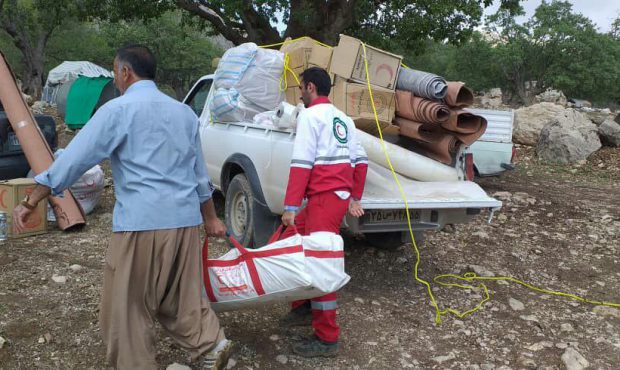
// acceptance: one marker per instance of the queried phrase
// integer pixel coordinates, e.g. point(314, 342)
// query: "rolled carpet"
point(467, 127)
point(436, 142)
point(419, 109)
point(458, 95)
point(462, 122)
point(426, 85)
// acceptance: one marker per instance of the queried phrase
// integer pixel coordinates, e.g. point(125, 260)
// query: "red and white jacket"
point(326, 155)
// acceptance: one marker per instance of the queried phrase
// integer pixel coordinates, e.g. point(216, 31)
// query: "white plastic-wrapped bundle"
point(247, 80)
point(260, 83)
point(228, 105)
point(233, 65)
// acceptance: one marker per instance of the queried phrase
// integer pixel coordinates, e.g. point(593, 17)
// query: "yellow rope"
point(469, 276)
point(283, 77)
point(285, 42)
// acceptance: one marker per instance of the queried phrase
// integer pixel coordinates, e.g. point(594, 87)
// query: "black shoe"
point(316, 348)
point(300, 316)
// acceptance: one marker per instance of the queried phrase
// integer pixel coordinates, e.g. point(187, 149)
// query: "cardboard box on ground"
point(12, 192)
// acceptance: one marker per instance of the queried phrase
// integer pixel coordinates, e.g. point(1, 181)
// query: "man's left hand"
point(215, 227)
point(355, 208)
point(20, 217)
point(288, 218)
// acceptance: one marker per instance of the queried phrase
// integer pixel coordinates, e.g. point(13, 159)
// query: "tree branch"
point(219, 22)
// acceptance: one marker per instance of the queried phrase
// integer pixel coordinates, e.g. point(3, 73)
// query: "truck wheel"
point(239, 207)
point(393, 240)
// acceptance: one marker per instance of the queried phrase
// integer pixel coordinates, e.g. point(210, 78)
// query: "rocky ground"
point(559, 228)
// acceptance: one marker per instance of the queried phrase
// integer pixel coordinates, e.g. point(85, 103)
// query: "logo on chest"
point(340, 130)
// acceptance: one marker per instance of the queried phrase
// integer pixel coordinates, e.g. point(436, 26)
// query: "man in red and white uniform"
point(328, 168)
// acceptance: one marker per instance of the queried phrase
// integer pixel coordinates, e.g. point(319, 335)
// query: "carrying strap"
point(279, 231)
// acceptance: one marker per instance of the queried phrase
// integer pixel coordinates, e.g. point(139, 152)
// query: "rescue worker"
point(153, 268)
point(328, 168)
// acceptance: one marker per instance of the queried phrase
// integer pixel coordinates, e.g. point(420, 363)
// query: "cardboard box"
point(354, 99)
point(303, 54)
point(293, 95)
point(12, 192)
point(370, 126)
point(348, 62)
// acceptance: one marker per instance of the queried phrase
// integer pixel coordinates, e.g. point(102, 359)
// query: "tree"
point(30, 24)
point(379, 22)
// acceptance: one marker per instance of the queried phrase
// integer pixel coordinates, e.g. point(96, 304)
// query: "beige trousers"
point(155, 275)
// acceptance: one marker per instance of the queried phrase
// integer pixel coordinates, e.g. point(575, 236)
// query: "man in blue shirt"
point(163, 194)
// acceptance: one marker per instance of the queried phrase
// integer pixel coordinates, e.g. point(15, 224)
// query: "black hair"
point(140, 59)
point(320, 78)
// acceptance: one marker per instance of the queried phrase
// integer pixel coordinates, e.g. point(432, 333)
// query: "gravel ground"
point(559, 228)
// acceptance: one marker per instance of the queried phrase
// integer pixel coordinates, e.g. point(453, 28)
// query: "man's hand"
point(20, 218)
point(215, 227)
point(288, 218)
point(355, 208)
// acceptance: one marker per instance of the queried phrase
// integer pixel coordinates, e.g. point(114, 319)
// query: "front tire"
point(239, 210)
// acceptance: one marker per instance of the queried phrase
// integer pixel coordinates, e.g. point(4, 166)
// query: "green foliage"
point(556, 48)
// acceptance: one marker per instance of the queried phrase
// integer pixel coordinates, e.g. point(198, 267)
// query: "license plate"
point(389, 215)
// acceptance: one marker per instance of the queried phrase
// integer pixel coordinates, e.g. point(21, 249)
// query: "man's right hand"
point(288, 218)
point(215, 227)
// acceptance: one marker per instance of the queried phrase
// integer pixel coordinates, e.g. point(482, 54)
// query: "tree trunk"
point(32, 78)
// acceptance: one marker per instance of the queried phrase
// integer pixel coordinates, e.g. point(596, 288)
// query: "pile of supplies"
point(416, 110)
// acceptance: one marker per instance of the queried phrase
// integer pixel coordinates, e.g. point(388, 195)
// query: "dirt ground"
point(559, 228)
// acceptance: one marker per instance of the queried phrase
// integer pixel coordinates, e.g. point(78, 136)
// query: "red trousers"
point(324, 212)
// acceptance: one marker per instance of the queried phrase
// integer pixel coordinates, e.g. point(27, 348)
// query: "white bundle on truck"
point(247, 82)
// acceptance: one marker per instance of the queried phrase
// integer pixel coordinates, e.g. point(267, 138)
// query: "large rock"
point(551, 96)
point(610, 133)
point(568, 138)
point(529, 122)
point(599, 116)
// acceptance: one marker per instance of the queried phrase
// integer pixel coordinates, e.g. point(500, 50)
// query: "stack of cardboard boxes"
point(347, 69)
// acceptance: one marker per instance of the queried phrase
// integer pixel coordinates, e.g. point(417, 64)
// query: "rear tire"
point(239, 210)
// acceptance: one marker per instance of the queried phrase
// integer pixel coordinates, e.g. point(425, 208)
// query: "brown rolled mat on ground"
point(458, 95)
point(419, 109)
point(436, 142)
point(39, 155)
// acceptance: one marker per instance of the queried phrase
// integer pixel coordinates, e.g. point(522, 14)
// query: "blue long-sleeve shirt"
point(153, 144)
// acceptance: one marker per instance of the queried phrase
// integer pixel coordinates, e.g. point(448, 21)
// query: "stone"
point(76, 268)
point(529, 318)
point(568, 138)
point(566, 327)
point(599, 116)
point(274, 338)
point(487, 366)
point(502, 195)
point(39, 106)
point(59, 279)
point(2, 342)
point(41, 340)
point(359, 300)
point(607, 311)
point(176, 366)
point(401, 260)
point(529, 121)
point(574, 360)
point(551, 96)
point(491, 99)
point(231, 363)
point(609, 131)
point(516, 305)
point(442, 359)
point(540, 345)
point(48, 337)
point(282, 359)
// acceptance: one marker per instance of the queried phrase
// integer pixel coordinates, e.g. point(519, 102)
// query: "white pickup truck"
point(250, 163)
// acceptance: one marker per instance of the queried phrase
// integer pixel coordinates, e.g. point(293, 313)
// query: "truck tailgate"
point(381, 192)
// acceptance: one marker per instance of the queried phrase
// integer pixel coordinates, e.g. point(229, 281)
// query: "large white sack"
point(260, 83)
point(298, 267)
point(233, 65)
point(228, 105)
